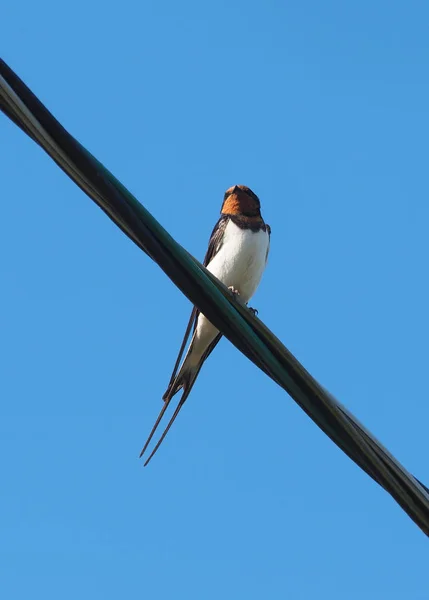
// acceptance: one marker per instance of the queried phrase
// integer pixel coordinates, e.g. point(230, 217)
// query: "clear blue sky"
point(320, 107)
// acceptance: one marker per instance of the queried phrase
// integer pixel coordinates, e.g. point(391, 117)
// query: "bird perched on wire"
point(237, 256)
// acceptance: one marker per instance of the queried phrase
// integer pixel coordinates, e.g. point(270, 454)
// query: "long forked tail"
point(185, 381)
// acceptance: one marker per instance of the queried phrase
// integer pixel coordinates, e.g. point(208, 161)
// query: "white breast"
point(239, 263)
point(241, 260)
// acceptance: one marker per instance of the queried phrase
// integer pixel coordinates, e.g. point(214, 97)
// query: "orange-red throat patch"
point(238, 201)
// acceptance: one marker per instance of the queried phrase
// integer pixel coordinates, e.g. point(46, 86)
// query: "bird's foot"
point(253, 310)
point(233, 291)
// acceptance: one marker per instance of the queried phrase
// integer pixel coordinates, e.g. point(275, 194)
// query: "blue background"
point(320, 107)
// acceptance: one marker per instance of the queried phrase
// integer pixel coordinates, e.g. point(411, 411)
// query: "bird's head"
point(240, 200)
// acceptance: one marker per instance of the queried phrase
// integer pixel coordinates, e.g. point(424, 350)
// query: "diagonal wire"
point(233, 319)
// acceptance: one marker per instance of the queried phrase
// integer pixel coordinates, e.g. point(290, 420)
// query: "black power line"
point(233, 319)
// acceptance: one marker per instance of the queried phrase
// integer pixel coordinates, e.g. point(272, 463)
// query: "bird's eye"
point(253, 196)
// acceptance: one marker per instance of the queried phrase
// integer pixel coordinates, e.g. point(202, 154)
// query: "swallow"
point(237, 255)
